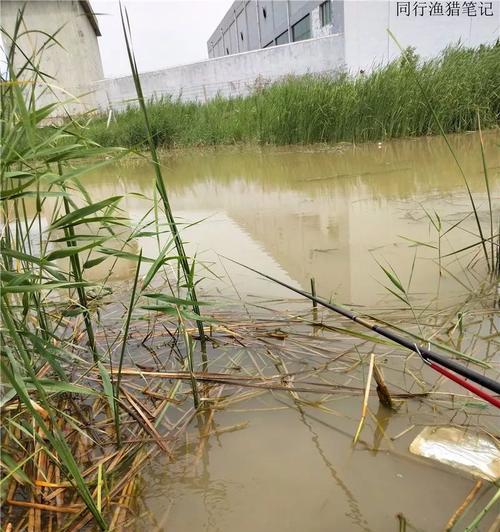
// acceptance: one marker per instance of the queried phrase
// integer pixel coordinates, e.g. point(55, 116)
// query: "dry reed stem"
point(123, 506)
point(144, 421)
point(10, 495)
point(46, 484)
point(59, 496)
point(461, 509)
point(37, 491)
point(382, 390)
point(46, 507)
point(255, 382)
point(365, 399)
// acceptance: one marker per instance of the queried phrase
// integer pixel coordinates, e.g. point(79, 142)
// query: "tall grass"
point(408, 59)
point(463, 87)
point(34, 170)
point(52, 236)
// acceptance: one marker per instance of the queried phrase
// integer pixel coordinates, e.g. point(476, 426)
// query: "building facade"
point(251, 24)
point(428, 26)
point(74, 66)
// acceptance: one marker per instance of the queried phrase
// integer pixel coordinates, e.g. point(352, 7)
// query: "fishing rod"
point(437, 362)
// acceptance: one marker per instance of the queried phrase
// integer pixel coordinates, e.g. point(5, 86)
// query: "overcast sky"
point(165, 32)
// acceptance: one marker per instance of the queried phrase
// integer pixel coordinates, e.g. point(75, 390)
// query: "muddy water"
point(333, 214)
point(287, 471)
point(329, 213)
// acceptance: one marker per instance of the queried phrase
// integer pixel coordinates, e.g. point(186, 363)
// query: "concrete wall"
point(232, 75)
point(75, 65)
point(368, 44)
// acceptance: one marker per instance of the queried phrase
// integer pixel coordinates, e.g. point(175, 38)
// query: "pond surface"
point(332, 213)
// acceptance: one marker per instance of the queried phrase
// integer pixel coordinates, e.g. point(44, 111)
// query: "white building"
point(250, 25)
point(429, 26)
point(74, 66)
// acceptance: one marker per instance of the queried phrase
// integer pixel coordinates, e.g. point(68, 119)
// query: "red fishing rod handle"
point(471, 387)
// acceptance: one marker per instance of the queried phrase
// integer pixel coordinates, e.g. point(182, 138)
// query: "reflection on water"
point(297, 213)
point(354, 513)
point(328, 213)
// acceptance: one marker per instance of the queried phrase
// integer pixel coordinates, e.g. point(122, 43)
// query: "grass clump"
point(462, 84)
point(73, 435)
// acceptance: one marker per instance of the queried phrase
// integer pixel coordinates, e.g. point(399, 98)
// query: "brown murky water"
point(333, 214)
point(328, 213)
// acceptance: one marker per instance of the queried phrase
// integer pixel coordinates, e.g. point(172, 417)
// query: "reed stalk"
point(480, 516)
point(116, 395)
point(364, 408)
point(159, 181)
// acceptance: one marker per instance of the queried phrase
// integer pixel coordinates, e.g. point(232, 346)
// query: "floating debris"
point(474, 453)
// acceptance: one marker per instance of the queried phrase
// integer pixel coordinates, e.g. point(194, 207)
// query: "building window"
point(264, 12)
point(283, 38)
point(302, 29)
point(325, 13)
point(241, 35)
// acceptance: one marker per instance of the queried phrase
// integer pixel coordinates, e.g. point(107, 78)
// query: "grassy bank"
point(460, 84)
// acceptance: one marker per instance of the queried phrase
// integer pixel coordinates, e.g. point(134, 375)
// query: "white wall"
point(75, 65)
point(233, 75)
point(367, 42)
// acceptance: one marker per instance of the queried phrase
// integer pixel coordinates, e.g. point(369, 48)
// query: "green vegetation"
point(462, 85)
point(64, 402)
